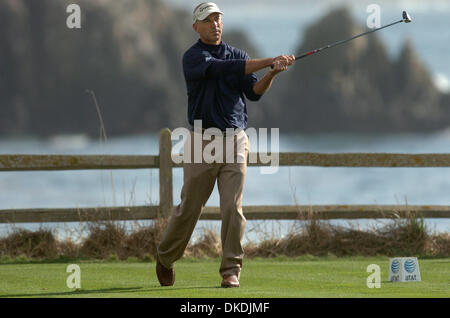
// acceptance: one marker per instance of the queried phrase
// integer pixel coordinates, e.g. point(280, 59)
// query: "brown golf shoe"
point(230, 281)
point(166, 276)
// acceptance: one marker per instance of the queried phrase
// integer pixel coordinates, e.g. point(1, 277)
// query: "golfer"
point(218, 78)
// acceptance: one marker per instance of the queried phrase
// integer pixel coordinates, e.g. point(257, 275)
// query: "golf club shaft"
point(343, 41)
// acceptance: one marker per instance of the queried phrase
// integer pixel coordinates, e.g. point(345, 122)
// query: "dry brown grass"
point(37, 244)
point(402, 237)
point(142, 243)
point(104, 239)
point(208, 245)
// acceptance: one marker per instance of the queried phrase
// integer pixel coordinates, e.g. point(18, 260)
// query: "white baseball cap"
point(203, 10)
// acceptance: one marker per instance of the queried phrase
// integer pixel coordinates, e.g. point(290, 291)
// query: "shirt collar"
point(217, 50)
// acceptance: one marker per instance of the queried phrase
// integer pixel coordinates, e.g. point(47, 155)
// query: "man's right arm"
point(254, 65)
point(203, 65)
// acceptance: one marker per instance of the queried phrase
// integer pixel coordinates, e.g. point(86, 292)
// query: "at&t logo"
point(395, 266)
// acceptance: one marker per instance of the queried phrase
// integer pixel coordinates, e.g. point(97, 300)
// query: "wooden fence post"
point(165, 173)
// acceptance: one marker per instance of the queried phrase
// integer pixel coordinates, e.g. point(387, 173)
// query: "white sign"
point(404, 269)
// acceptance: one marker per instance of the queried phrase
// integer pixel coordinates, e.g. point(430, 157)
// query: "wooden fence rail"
point(164, 163)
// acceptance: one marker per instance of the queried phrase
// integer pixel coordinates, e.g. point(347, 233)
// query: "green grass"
point(260, 278)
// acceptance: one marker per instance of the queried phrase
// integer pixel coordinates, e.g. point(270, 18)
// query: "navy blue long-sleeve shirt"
point(216, 85)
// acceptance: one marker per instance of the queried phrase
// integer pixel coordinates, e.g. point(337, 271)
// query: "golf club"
point(405, 18)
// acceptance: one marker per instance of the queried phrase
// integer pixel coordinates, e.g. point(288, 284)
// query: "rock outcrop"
point(356, 87)
point(129, 54)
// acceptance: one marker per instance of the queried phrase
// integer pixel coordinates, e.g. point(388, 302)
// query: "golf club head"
point(406, 17)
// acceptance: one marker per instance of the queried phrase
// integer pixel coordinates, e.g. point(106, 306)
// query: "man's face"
point(210, 29)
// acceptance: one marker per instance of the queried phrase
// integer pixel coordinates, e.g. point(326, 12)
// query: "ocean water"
point(277, 27)
point(288, 186)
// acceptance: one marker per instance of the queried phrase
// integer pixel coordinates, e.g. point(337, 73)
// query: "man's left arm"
point(264, 84)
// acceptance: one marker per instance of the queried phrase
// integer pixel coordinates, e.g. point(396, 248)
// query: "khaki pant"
point(199, 181)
